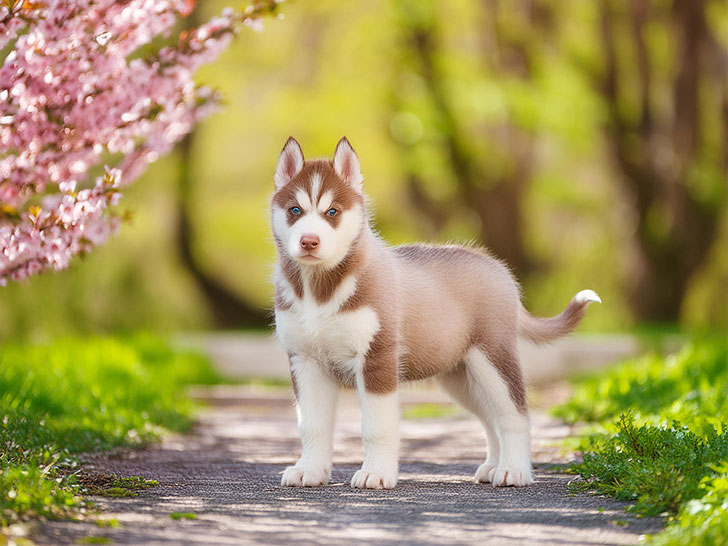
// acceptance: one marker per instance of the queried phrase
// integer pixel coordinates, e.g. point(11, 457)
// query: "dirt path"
point(227, 473)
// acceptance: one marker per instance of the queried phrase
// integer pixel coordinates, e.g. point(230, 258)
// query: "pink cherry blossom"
point(74, 91)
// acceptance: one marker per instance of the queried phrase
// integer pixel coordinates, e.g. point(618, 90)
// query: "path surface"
point(227, 472)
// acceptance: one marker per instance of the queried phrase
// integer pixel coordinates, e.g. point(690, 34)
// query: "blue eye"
point(332, 212)
point(295, 211)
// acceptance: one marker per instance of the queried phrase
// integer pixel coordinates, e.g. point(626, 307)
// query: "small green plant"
point(134, 482)
point(121, 486)
point(110, 522)
point(110, 485)
point(657, 468)
point(182, 515)
point(113, 492)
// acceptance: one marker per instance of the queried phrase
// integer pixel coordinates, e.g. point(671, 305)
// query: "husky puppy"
point(352, 312)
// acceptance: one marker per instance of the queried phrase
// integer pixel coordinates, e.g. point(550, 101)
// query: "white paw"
point(514, 475)
point(485, 472)
point(296, 476)
point(364, 479)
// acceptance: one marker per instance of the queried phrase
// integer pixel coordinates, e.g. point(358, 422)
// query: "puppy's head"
point(317, 208)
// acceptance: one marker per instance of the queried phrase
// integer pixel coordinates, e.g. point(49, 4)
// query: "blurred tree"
point(659, 70)
point(492, 161)
point(663, 80)
point(227, 308)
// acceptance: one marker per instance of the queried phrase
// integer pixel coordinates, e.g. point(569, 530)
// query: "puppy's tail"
point(544, 330)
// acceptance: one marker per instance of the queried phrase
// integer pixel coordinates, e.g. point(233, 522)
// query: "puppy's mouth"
point(309, 257)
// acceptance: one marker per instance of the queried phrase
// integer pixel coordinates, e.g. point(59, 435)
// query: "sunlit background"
point(545, 130)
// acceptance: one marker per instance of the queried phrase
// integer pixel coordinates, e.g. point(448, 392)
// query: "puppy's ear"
point(346, 164)
point(290, 163)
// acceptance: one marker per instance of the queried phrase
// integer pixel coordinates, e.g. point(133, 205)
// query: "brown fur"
point(457, 317)
point(324, 282)
point(506, 362)
point(380, 363)
point(344, 198)
point(294, 383)
point(292, 273)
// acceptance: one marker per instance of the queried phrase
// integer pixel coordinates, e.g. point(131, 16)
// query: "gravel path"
point(227, 473)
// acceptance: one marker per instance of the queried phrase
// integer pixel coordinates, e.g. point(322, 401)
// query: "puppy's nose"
point(309, 242)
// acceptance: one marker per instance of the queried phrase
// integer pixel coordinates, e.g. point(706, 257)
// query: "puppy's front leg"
point(316, 397)
point(379, 399)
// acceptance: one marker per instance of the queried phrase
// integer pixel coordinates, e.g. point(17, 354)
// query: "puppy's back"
point(451, 297)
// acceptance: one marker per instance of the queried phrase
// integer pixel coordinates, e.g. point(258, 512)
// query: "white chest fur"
point(320, 331)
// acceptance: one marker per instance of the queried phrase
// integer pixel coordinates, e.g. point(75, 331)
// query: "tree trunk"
point(228, 310)
point(675, 228)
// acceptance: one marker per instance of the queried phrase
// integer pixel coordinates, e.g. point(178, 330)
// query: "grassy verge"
point(658, 437)
point(82, 395)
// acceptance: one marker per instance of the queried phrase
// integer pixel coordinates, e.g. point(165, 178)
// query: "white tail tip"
point(587, 296)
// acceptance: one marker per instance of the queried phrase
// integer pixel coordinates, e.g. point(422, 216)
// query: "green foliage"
point(81, 395)
point(703, 521)
point(640, 461)
point(690, 386)
point(27, 490)
point(667, 452)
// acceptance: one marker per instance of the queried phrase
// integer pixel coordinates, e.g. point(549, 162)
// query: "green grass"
point(115, 486)
point(81, 395)
point(658, 437)
point(690, 386)
point(182, 515)
point(111, 485)
point(28, 490)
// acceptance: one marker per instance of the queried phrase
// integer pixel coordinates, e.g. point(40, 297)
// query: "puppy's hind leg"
point(495, 378)
point(468, 394)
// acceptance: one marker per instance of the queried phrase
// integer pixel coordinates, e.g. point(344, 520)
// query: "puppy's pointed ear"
point(346, 164)
point(290, 163)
